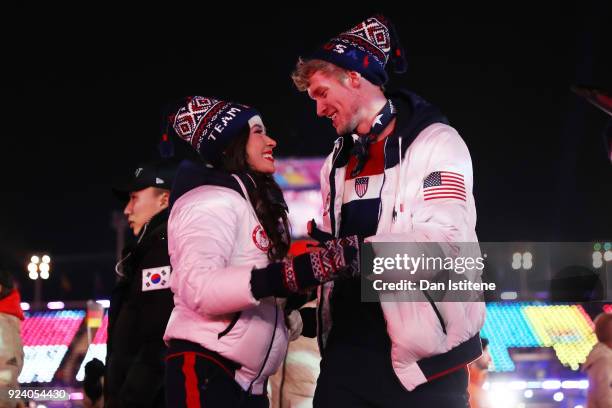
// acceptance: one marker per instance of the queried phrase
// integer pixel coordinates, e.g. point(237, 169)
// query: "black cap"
point(158, 174)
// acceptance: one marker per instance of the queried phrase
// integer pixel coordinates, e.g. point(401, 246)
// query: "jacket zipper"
point(122, 260)
point(384, 179)
point(332, 187)
point(332, 215)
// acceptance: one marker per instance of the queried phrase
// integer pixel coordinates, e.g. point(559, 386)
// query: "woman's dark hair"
point(267, 197)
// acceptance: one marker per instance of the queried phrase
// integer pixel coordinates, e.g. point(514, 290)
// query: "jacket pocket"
point(230, 326)
point(436, 311)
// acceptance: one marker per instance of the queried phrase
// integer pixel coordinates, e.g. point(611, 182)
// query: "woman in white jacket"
point(228, 238)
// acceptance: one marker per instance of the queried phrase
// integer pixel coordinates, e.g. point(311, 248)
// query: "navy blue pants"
point(198, 378)
point(356, 377)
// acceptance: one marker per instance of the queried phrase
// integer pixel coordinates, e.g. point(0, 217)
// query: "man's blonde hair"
point(305, 69)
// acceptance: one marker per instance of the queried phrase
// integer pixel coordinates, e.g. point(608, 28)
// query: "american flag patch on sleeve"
point(444, 184)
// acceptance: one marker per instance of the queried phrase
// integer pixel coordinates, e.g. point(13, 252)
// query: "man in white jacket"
point(398, 173)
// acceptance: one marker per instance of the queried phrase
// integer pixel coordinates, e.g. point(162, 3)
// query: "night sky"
point(86, 93)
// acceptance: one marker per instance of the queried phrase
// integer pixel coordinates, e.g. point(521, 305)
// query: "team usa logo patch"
point(260, 239)
point(156, 278)
point(361, 185)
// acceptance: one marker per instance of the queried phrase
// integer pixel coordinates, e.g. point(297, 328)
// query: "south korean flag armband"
point(156, 278)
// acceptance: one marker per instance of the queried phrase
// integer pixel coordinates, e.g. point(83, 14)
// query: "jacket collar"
point(158, 220)
point(193, 174)
point(413, 115)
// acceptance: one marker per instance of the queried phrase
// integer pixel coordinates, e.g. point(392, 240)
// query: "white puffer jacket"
point(427, 339)
point(214, 241)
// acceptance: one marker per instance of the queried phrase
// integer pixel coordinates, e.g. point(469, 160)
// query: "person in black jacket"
point(142, 301)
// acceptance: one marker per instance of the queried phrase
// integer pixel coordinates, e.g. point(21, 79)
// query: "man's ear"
point(165, 198)
point(354, 79)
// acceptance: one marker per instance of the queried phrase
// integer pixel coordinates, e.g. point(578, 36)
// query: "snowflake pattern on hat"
point(376, 35)
point(366, 48)
point(209, 124)
point(199, 111)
